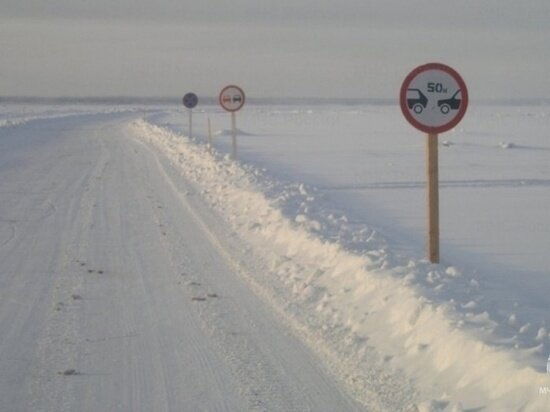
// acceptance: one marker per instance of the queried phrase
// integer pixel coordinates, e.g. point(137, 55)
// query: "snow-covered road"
point(114, 295)
point(140, 270)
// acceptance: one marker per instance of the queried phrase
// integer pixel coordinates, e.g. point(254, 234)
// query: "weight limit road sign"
point(232, 98)
point(433, 98)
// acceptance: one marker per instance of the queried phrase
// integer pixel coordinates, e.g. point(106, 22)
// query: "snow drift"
point(358, 309)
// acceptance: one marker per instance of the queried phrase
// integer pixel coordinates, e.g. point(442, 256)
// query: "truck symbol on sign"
point(416, 101)
point(446, 105)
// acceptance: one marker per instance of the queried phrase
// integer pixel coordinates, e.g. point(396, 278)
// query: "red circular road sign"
point(232, 98)
point(433, 98)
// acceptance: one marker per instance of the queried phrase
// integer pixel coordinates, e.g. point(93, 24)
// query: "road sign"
point(190, 100)
point(433, 98)
point(232, 98)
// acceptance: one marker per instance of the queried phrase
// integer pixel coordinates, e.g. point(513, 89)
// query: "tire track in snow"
point(37, 314)
point(143, 344)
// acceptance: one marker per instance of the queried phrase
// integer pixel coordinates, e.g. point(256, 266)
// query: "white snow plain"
point(323, 218)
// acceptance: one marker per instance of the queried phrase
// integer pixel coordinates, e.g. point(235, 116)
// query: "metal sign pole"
point(233, 136)
point(433, 197)
point(190, 123)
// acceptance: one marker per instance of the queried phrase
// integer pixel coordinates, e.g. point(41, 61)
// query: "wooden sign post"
point(232, 99)
point(209, 135)
point(233, 135)
point(433, 197)
point(433, 99)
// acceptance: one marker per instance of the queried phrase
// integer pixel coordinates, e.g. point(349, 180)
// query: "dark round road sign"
point(190, 100)
point(433, 98)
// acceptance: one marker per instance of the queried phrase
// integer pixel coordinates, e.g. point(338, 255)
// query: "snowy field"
point(317, 237)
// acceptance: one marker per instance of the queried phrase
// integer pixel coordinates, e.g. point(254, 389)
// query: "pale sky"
point(299, 48)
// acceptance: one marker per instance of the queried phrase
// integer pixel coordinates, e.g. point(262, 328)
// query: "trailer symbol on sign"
point(232, 98)
point(434, 98)
point(190, 100)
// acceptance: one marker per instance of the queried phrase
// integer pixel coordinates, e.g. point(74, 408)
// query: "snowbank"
point(358, 309)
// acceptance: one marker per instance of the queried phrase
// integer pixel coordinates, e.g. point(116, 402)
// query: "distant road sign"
point(433, 98)
point(232, 98)
point(190, 100)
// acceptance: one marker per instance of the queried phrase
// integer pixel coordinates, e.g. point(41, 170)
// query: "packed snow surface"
point(315, 234)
